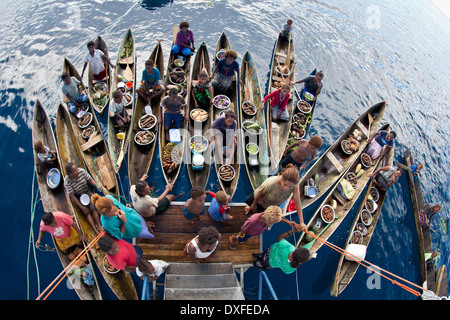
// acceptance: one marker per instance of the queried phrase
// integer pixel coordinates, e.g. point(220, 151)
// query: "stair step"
point(199, 269)
point(201, 281)
point(204, 294)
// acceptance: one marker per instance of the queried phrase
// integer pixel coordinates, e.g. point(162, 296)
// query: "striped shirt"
point(79, 186)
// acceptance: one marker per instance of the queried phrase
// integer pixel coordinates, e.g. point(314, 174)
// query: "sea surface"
point(369, 51)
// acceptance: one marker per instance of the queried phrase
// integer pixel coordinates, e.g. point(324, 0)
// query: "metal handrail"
point(262, 275)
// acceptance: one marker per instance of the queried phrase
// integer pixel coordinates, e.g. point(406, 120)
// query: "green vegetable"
point(316, 179)
point(360, 173)
point(358, 167)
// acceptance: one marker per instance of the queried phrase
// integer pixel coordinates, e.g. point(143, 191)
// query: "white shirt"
point(96, 61)
point(145, 206)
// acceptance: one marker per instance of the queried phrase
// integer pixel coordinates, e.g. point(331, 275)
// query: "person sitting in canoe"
point(203, 245)
point(73, 91)
point(275, 190)
point(282, 254)
point(225, 135)
point(415, 169)
point(63, 228)
point(44, 154)
point(173, 113)
point(312, 86)
point(202, 92)
point(287, 29)
point(376, 143)
point(78, 182)
point(96, 57)
point(118, 111)
point(224, 70)
point(150, 87)
point(305, 150)
point(385, 177)
point(184, 43)
point(428, 211)
point(120, 221)
point(278, 101)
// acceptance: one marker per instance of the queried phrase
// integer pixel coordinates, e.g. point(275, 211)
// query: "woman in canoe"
point(275, 191)
point(376, 143)
point(313, 85)
point(184, 43)
point(223, 73)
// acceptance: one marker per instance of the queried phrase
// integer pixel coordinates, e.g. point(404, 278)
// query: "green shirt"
point(72, 88)
point(278, 257)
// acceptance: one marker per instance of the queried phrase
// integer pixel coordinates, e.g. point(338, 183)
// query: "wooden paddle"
point(246, 88)
point(121, 154)
point(128, 73)
point(288, 57)
point(157, 51)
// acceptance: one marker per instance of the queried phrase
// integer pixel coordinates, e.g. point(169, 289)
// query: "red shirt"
point(63, 225)
point(125, 257)
point(276, 99)
point(253, 226)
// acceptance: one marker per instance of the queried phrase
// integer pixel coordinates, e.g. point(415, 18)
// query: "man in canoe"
point(385, 177)
point(313, 85)
point(73, 91)
point(95, 57)
point(172, 108)
point(305, 150)
point(150, 87)
point(225, 131)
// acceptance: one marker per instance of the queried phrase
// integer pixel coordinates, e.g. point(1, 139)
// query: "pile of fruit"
point(171, 157)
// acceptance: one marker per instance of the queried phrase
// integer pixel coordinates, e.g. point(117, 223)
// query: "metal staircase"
point(204, 281)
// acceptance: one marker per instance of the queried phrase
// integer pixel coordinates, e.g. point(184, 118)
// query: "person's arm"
point(38, 241)
point(84, 68)
point(130, 268)
point(122, 216)
point(256, 199)
point(298, 205)
point(296, 143)
point(191, 252)
point(378, 170)
point(373, 136)
point(311, 158)
point(82, 236)
point(166, 191)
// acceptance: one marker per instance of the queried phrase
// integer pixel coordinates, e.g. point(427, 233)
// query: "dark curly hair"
point(299, 256)
point(208, 235)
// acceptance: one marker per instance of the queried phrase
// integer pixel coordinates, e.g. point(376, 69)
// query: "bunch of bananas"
point(171, 157)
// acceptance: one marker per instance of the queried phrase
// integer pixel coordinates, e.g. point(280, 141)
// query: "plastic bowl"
point(365, 213)
point(364, 165)
point(86, 137)
point(372, 203)
point(248, 122)
point(84, 199)
point(91, 117)
point(252, 144)
point(178, 62)
point(361, 228)
point(53, 178)
point(343, 149)
point(204, 142)
point(376, 192)
point(109, 271)
point(321, 214)
point(131, 99)
point(302, 111)
point(177, 83)
point(361, 237)
point(227, 165)
point(146, 116)
point(207, 115)
point(226, 101)
point(143, 144)
point(249, 114)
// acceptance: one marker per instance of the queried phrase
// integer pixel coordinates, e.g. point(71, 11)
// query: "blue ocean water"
point(396, 51)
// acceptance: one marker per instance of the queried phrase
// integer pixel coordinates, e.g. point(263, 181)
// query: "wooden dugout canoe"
point(343, 206)
point(125, 69)
point(57, 199)
point(199, 177)
point(171, 175)
point(346, 269)
point(140, 157)
point(283, 55)
point(121, 283)
point(100, 44)
point(229, 187)
point(334, 162)
point(250, 91)
point(94, 151)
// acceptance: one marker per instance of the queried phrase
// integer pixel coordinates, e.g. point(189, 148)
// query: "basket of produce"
point(303, 106)
point(252, 148)
point(199, 115)
point(374, 194)
point(357, 237)
point(345, 145)
point(351, 177)
point(226, 172)
point(252, 127)
point(147, 121)
point(357, 134)
point(221, 101)
point(198, 144)
point(108, 267)
point(366, 160)
point(144, 137)
point(177, 76)
point(361, 228)
point(87, 132)
point(249, 108)
point(327, 213)
point(129, 98)
point(85, 120)
point(366, 217)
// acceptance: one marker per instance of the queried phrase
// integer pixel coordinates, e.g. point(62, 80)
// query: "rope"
point(70, 267)
point(368, 264)
point(34, 201)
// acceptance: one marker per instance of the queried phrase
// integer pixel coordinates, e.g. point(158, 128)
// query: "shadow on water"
point(154, 4)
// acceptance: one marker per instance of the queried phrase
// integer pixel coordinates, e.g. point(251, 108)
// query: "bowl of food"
point(199, 115)
point(361, 228)
point(300, 119)
point(147, 121)
point(252, 148)
point(220, 54)
point(226, 172)
point(144, 137)
point(366, 217)
point(221, 101)
point(129, 98)
point(87, 132)
point(366, 160)
point(370, 205)
point(345, 145)
point(53, 178)
point(100, 86)
point(357, 237)
point(198, 144)
point(177, 77)
point(178, 62)
point(108, 267)
point(283, 70)
point(252, 127)
point(351, 177)
point(304, 106)
point(85, 120)
point(327, 213)
point(249, 108)
point(375, 194)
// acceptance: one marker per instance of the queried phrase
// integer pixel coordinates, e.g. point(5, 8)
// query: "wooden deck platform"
point(173, 231)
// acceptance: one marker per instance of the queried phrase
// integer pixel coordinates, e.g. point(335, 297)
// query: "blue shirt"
point(150, 79)
point(381, 139)
point(225, 69)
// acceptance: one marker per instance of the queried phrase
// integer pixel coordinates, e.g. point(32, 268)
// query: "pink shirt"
point(183, 39)
point(125, 257)
point(253, 226)
point(63, 224)
point(276, 99)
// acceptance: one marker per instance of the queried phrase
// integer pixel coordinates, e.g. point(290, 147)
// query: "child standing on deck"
point(218, 209)
point(195, 206)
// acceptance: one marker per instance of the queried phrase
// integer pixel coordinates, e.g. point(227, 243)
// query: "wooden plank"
point(91, 142)
point(335, 162)
point(105, 171)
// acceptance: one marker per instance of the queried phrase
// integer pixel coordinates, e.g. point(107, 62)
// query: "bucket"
point(129, 85)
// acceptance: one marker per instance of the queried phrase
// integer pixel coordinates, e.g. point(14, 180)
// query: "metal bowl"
point(147, 115)
point(143, 144)
point(321, 214)
point(53, 178)
point(299, 109)
point(252, 144)
point(221, 96)
point(251, 132)
point(207, 115)
point(343, 149)
point(91, 117)
point(204, 142)
point(249, 114)
point(234, 172)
